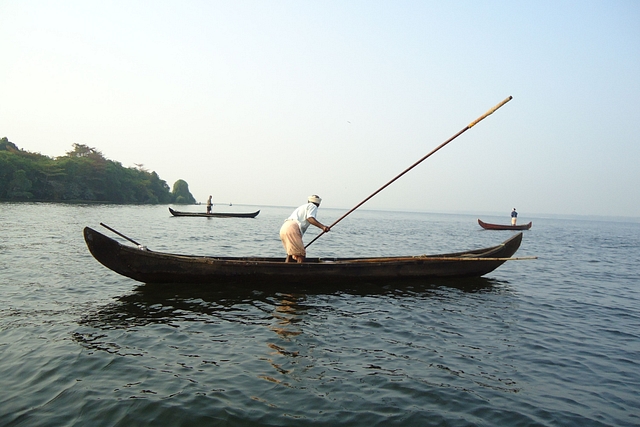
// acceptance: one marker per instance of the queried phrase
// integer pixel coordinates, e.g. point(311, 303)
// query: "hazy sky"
point(266, 102)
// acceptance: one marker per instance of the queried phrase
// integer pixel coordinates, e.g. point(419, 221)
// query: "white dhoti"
point(291, 237)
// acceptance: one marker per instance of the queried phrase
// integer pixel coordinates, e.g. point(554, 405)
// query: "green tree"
point(83, 174)
point(19, 186)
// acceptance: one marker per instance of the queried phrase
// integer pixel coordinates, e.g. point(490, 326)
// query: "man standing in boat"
point(294, 227)
point(209, 204)
point(514, 216)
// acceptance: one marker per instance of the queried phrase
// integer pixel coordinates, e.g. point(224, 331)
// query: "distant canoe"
point(217, 214)
point(488, 226)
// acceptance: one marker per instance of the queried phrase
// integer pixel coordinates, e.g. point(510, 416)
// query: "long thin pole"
point(120, 234)
point(469, 126)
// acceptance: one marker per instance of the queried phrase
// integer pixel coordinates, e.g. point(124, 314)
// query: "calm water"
point(547, 342)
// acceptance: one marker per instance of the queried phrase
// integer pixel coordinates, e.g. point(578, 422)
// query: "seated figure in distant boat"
point(294, 227)
point(514, 216)
point(209, 204)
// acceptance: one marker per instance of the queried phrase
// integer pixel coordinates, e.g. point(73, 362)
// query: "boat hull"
point(217, 214)
point(155, 267)
point(488, 226)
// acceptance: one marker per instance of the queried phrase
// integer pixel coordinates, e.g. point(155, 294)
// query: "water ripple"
point(543, 343)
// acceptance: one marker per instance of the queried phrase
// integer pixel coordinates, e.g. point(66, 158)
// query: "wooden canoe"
point(216, 214)
point(148, 266)
point(488, 226)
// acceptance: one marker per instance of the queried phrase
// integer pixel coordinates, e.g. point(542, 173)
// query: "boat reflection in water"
point(166, 303)
point(188, 340)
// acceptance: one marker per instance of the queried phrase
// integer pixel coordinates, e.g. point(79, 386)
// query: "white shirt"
point(301, 215)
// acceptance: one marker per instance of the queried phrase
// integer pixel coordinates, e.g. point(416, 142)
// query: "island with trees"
point(81, 175)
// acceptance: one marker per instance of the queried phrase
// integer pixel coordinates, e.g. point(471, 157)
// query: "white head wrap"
point(314, 199)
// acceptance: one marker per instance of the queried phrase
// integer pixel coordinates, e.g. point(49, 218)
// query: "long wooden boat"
point(217, 214)
point(488, 226)
point(147, 266)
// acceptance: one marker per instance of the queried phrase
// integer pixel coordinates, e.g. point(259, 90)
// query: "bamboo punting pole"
point(469, 126)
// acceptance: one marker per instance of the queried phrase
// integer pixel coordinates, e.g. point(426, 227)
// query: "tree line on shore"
point(81, 175)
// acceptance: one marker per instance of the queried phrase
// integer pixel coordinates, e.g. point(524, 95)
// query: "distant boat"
point(217, 214)
point(488, 226)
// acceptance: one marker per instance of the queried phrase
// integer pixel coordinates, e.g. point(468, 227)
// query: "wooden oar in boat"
point(469, 126)
point(123, 236)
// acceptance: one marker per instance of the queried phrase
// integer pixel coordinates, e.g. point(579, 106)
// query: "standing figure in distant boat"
point(294, 227)
point(209, 204)
point(514, 216)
